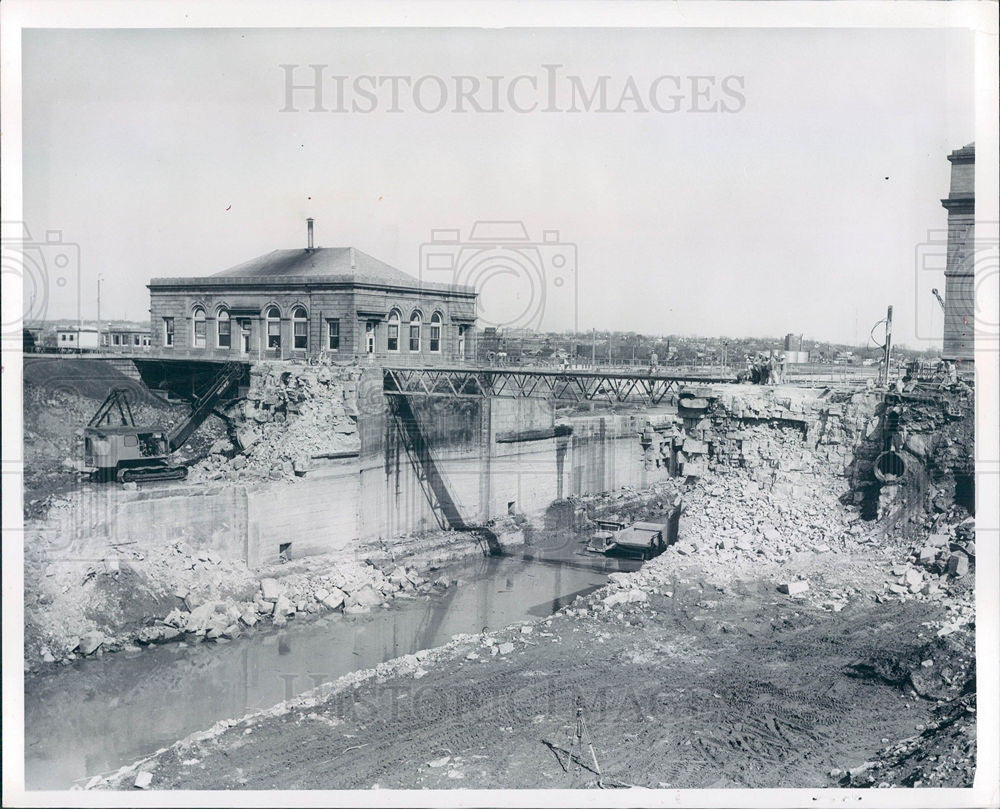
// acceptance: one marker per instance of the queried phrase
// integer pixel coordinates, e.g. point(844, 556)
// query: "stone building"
point(959, 297)
point(333, 301)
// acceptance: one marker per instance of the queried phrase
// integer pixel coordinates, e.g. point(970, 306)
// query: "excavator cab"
point(128, 452)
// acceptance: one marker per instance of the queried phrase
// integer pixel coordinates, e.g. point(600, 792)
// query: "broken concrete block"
point(913, 577)
point(90, 642)
point(938, 540)
point(167, 634)
point(506, 648)
point(899, 589)
point(143, 780)
point(270, 589)
point(927, 554)
point(283, 606)
point(366, 597)
point(958, 564)
point(793, 587)
point(334, 599)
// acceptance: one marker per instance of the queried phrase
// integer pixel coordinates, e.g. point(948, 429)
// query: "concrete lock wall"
point(378, 494)
point(206, 517)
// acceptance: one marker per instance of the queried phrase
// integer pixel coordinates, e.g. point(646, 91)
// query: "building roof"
point(320, 262)
point(343, 265)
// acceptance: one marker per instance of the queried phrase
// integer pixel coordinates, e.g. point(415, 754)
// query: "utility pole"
point(593, 349)
point(887, 349)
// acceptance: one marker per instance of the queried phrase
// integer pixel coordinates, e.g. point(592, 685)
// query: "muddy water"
point(97, 715)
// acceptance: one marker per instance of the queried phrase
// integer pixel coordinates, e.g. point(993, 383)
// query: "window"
point(62, 337)
point(370, 337)
point(436, 333)
point(168, 331)
point(392, 343)
point(333, 334)
point(199, 327)
point(104, 339)
point(300, 329)
point(415, 331)
point(116, 339)
point(135, 339)
point(461, 341)
point(224, 329)
point(273, 327)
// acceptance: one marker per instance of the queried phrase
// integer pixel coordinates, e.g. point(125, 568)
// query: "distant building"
point(76, 337)
point(336, 301)
point(959, 297)
point(126, 340)
point(793, 342)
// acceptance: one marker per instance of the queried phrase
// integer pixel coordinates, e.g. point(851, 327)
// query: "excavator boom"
point(204, 406)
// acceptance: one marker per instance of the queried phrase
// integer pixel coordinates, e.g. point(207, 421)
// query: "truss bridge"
point(647, 388)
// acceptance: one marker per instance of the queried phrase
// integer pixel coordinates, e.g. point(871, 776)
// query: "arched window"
point(273, 318)
point(199, 327)
point(224, 329)
point(393, 342)
point(435, 333)
point(300, 328)
point(415, 331)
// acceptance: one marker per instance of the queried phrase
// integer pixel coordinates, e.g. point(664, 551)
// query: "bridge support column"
point(485, 458)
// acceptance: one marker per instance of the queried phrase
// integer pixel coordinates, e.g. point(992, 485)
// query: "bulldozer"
point(128, 452)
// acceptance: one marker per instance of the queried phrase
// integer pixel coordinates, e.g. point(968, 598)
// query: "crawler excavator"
point(126, 452)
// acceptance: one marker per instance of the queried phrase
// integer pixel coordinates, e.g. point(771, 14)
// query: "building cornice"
point(960, 203)
point(305, 283)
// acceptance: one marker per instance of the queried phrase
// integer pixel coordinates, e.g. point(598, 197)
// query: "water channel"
point(99, 714)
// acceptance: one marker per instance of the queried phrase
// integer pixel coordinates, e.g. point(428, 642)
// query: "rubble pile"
point(738, 430)
point(86, 609)
point(945, 554)
point(293, 415)
point(347, 588)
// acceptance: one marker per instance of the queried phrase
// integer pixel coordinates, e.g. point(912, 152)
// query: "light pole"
point(99, 278)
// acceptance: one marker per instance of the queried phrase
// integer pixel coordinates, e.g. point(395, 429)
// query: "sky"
point(802, 200)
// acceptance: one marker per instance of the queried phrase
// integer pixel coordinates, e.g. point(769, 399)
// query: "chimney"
point(309, 224)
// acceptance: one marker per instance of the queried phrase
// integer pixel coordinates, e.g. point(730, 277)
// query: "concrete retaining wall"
point(379, 494)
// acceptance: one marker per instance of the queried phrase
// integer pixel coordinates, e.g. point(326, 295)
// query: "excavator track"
point(150, 475)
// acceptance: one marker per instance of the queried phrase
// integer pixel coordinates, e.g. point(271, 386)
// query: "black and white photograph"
point(516, 404)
